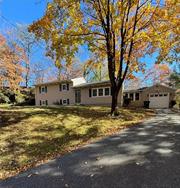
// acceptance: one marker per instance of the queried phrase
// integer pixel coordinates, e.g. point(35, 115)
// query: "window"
point(40, 103)
point(165, 94)
point(107, 91)
point(46, 89)
point(151, 95)
point(160, 95)
point(94, 94)
point(156, 95)
point(137, 96)
point(64, 87)
point(64, 101)
point(46, 102)
point(43, 90)
point(131, 96)
point(100, 92)
point(125, 96)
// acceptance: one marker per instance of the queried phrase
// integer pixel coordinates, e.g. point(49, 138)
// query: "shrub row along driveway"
point(29, 136)
point(143, 156)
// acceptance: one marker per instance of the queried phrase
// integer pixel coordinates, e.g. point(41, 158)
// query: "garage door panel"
point(159, 100)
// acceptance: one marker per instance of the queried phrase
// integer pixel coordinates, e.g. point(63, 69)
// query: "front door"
point(78, 96)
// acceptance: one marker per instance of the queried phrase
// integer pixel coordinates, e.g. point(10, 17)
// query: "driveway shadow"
point(143, 156)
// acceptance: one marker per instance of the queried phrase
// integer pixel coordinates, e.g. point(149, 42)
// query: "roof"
point(145, 88)
point(91, 84)
point(54, 82)
point(133, 90)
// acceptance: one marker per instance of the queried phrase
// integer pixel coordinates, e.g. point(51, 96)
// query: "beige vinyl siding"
point(54, 94)
point(97, 100)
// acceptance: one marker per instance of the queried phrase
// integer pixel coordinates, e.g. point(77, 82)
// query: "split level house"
point(78, 91)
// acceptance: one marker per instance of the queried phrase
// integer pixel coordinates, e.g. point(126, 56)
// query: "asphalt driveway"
point(144, 156)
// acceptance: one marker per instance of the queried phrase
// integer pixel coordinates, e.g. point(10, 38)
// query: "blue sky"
point(22, 11)
point(27, 11)
point(13, 12)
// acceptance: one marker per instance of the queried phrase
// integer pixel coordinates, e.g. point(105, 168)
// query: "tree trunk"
point(114, 104)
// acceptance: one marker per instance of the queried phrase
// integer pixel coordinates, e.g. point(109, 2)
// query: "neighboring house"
point(74, 91)
point(159, 96)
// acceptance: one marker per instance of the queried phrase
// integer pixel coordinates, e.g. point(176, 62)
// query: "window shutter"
point(60, 101)
point(67, 101)
point(46, 102)
point(45, 89)
point(67, 86)
point(40, 89)
point(40, 102)
point(60, 87)
point(89, 92)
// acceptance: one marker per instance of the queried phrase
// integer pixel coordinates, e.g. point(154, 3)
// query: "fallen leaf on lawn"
point(32, 174)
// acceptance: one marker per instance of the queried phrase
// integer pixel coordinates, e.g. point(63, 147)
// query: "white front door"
point(159, 100)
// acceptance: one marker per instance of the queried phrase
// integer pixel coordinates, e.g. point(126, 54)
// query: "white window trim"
point(97, 89)
point(65, 86)
point(43, 87)
point(109, 92)
point(96, 92)
point(43, 102)
point(63, 102)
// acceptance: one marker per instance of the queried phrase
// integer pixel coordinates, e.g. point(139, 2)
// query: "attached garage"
point(159, 100)
point(156, 96)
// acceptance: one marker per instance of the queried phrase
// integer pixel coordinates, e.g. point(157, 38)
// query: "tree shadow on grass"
point(38, 145)
point(17, 114)
point(43, 148)
point(145, 156)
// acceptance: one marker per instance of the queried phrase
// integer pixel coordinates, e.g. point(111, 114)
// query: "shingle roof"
point(132, 90)
point(53, 82)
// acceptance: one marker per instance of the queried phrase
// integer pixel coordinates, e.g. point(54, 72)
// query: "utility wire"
point(15, 26)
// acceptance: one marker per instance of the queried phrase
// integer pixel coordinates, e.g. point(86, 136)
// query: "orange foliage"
point(11, 68)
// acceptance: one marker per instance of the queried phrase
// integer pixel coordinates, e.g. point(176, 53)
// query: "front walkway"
point(144, 156)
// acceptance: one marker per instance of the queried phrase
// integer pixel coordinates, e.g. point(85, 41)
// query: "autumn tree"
point(134, 83)
point(11, 69)
point(175, 77)
point(41, 73)
point(28, 44)
point(70, 71)
point(95, 69)
point(157, 74)
point(120, 31)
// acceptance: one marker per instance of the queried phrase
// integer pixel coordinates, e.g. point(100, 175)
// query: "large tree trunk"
point(114, 104)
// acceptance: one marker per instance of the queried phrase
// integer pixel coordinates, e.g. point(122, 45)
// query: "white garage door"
point(159, 100)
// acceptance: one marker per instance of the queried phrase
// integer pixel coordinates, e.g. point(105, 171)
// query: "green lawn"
point(30, 135)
